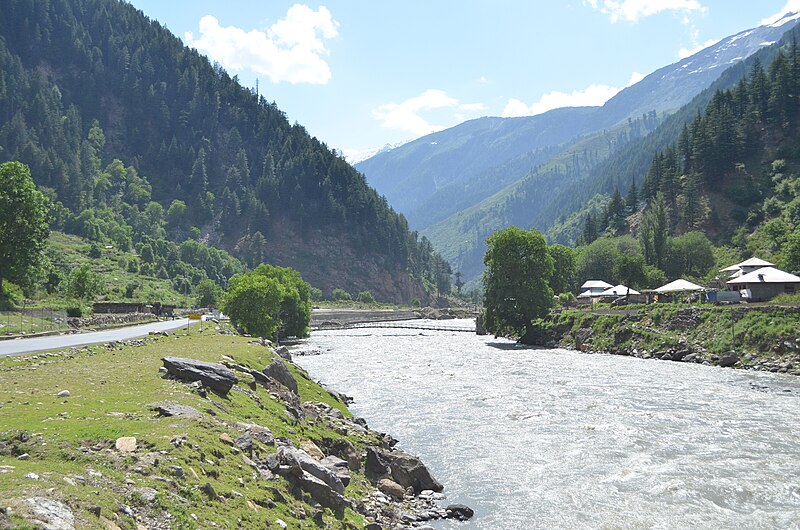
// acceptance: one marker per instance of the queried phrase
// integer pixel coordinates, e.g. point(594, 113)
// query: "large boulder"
point(403, 468)
point(310, 475)
point(213, 375)
point(48, 514)
point(278, 371)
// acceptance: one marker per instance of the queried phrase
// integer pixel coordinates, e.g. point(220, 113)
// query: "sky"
point(361, 74)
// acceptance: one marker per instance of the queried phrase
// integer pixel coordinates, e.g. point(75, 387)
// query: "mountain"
point(476, 159)
point(456, 209)
point(129, 132)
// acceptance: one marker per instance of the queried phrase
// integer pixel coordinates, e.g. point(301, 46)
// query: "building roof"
point(749, 263)
point(766, 275)
point(619, 290)
point(594, 284)
point(679, 285)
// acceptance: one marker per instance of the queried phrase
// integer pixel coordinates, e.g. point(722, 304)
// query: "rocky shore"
point(240, 438)
point(765, 339)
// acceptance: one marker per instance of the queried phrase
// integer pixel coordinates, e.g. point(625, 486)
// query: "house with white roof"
point(746, 267)
point(618, 290)
point(593, 288)
point(765, 283)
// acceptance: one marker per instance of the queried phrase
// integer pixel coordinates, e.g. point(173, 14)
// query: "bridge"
point(411, 325)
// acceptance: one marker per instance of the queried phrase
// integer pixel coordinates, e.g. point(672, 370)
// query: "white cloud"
point(683, 53)
point(792, 6)
point(633, 10)
point(594, 95)
point(291, 50)
point(407, 116)
point(635, 78)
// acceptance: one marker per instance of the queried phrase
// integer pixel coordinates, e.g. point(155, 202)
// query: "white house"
point(618, 290)
point(746, 267)
point(593, 288)
point(765, 283)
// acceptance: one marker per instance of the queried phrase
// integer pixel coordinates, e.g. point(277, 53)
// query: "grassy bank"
point(165, 482)
point(762, 337)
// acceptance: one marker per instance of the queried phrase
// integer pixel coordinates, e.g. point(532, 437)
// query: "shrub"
point(341, 295)
point(366, 297)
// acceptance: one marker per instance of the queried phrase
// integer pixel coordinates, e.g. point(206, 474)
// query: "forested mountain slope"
point(476, 159)
point(549, 202)
point(120, 121)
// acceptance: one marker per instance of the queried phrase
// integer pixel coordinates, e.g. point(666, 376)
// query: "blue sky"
point(359, 74)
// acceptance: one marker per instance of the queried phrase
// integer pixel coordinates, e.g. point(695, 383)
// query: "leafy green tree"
point(295, 306)
point(654, 231)
point(597, 260)
point(690, 254)
point(253, 302)
point(24, 216)
point(564, 268)
point(366, 297)
point(630, 269)
point(207, 293)
point(517, 282)
point(340, 295)
point(84, 283)
point(790, 253)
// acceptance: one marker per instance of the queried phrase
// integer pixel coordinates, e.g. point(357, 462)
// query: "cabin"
point(765, 283)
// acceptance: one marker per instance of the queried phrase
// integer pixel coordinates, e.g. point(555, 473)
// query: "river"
point(550, 438)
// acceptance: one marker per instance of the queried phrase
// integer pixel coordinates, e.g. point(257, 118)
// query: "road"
point(54, 342)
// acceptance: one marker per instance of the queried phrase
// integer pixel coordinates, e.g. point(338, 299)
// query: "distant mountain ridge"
point(442, 182)
point(411, 174)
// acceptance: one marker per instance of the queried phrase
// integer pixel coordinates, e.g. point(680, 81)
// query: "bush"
point(415, 302)
point(366, 297)
point(74, 312)
point(341, 295)
point(84, 283)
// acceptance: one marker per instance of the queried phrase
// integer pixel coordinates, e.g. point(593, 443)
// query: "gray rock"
point(278, 371)
point(405, 469)
point(339, 467)
point(321, 492)
point(174, 409)
point(283, 352)
point(297, 458)
point(459, 512)
point(50, 514)
point(213, 375)
point(63, 393)
point(729, 359)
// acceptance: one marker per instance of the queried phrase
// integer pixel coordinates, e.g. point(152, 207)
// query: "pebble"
point(24, 456)
point(63, 393)
point(32, 476)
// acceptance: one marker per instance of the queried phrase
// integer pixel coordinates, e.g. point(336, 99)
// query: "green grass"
point(112, 390)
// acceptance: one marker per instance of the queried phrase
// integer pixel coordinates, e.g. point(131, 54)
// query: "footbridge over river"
point(323, 319)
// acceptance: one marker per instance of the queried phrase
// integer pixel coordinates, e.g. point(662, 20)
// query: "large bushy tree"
point(24, 227)
point(517, 282)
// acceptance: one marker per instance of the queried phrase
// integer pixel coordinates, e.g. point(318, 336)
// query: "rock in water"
point(278, 371)
point(213, 375)
point(49, 514)
point(459, 512)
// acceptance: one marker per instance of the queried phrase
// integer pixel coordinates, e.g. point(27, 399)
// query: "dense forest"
point(728, 187)
point(141, 142)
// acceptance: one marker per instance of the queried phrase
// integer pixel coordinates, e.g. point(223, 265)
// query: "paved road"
point(53, 342)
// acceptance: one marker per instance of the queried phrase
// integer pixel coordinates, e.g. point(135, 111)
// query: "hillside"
point(415, 176)
point(119, 123)
point(562, 208)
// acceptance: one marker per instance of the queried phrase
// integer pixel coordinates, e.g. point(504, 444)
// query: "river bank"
point(112, 436)
point(757, 338)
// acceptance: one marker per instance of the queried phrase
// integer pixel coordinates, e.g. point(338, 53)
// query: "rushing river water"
point(537, 438)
